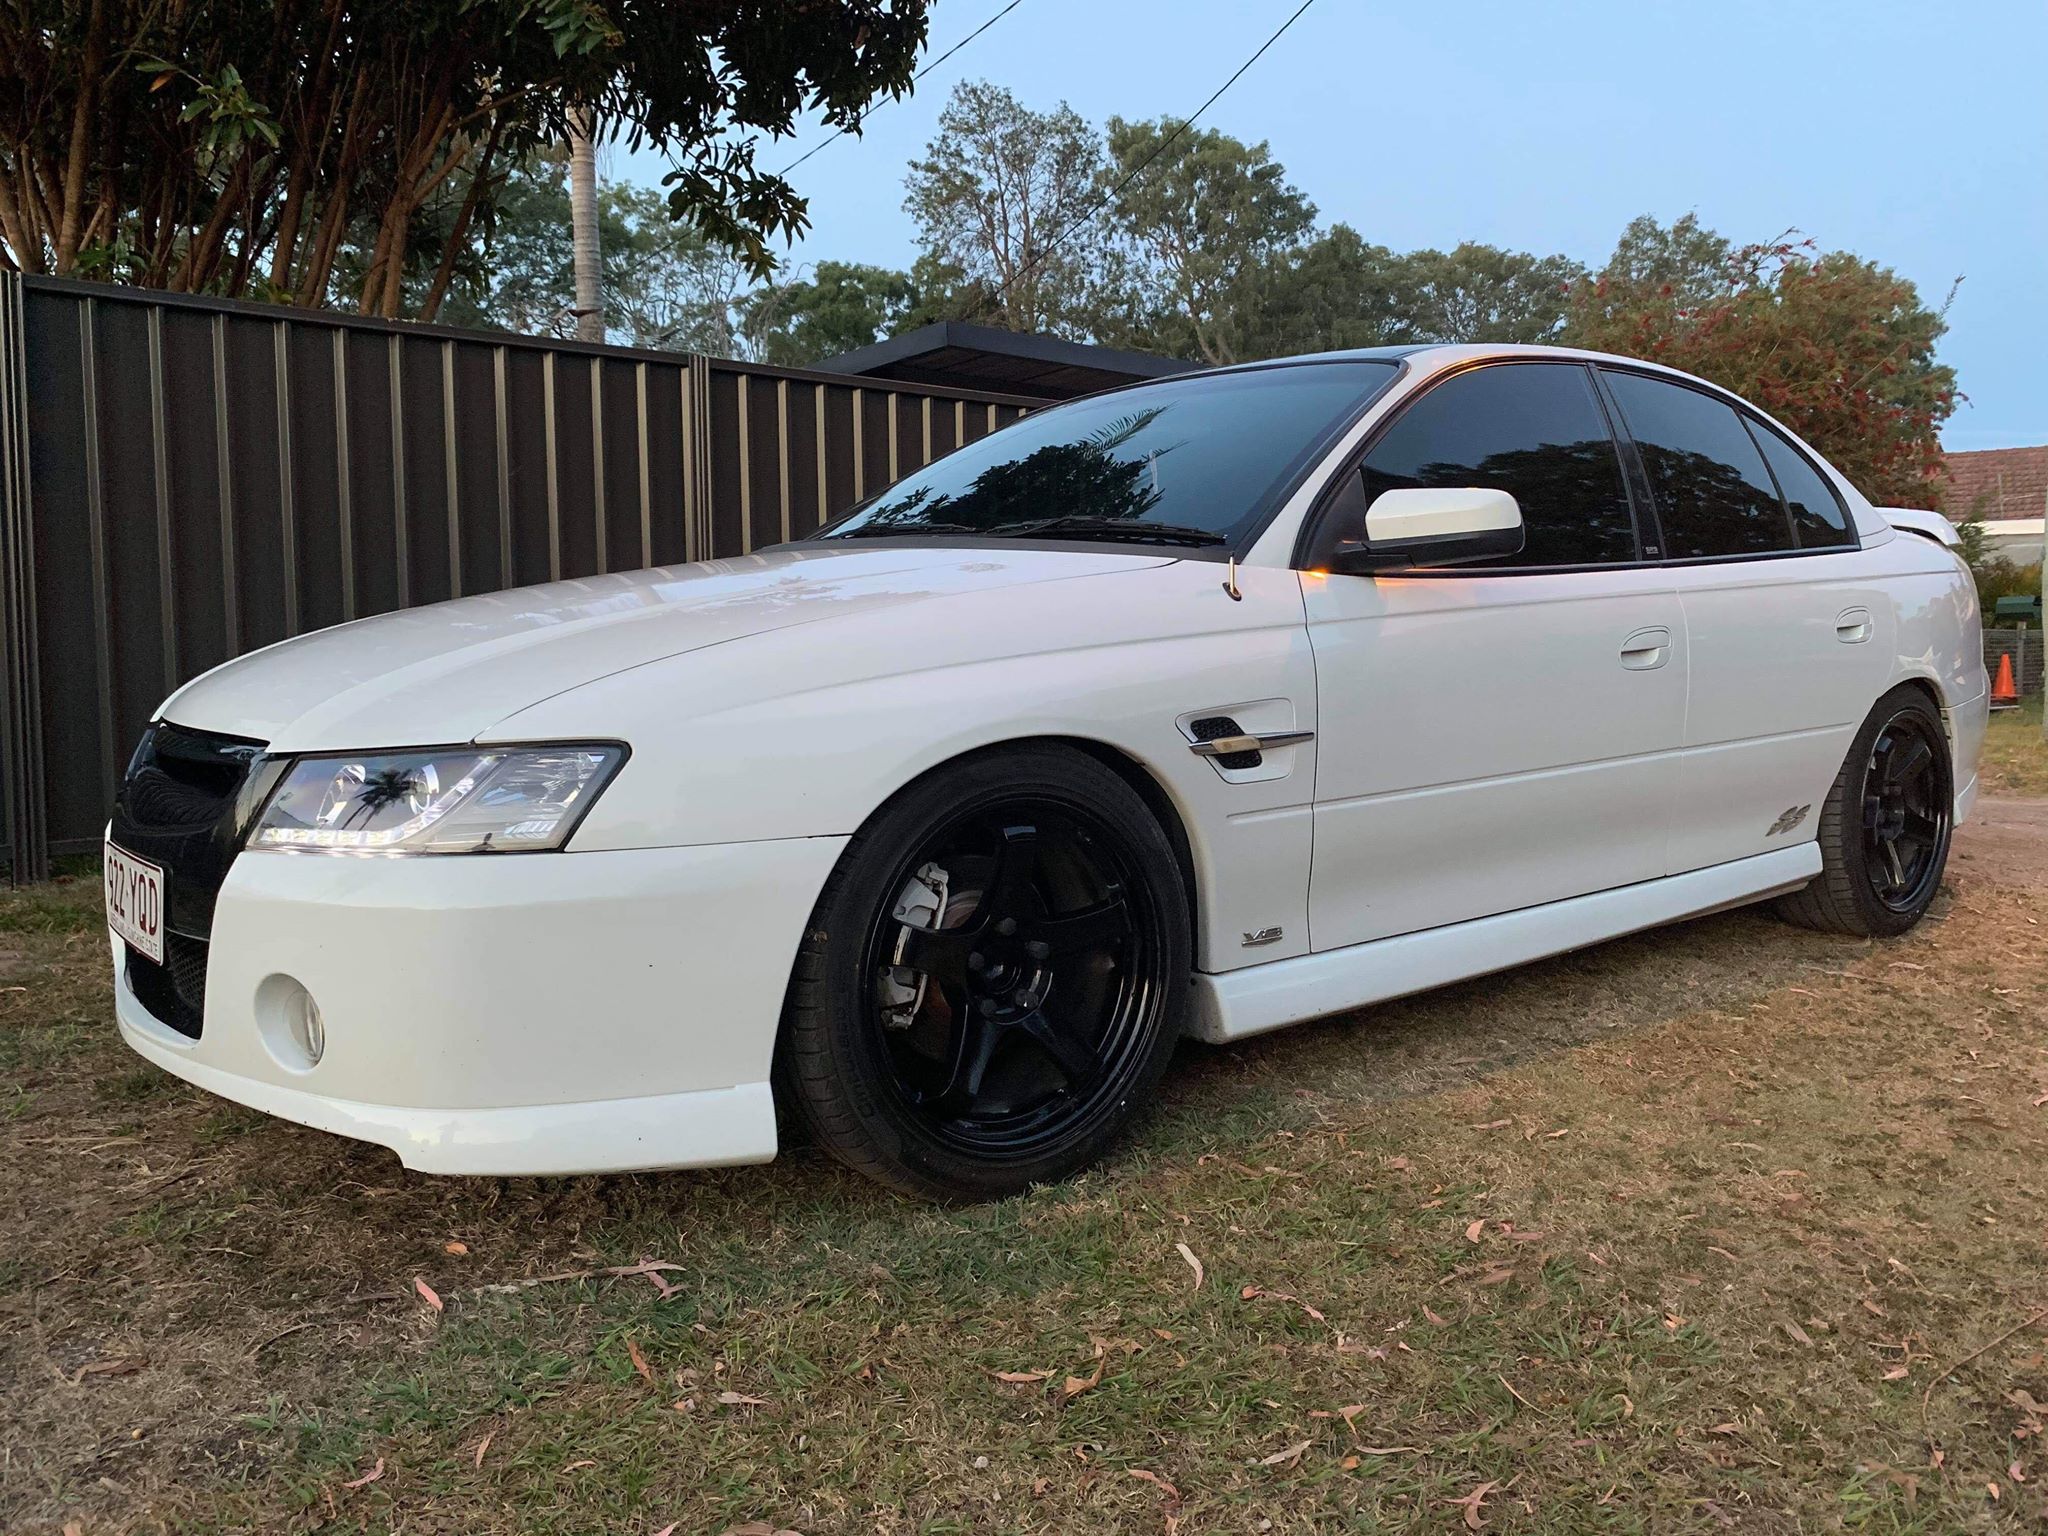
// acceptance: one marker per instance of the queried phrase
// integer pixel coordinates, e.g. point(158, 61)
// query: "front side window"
point(1534, 430)
point(1713, 494)
point(1190, 461)
point(1818, 517)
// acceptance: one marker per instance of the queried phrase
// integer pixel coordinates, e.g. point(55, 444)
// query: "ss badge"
point(1791, 818)
point(1263, 936)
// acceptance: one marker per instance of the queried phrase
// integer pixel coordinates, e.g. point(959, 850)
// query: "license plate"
point(135, 901)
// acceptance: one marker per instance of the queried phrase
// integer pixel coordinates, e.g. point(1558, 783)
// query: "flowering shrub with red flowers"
point(1839, 349)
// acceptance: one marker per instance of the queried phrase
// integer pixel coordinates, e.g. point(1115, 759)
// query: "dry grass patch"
point(2015, 759)
point(1679, 1233)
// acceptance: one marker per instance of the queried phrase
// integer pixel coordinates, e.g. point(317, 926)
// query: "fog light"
point(290, 1024)
point(309, 1034)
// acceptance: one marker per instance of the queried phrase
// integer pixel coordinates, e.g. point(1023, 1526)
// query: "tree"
point(1481, 293)
point(1341, 291)
point(664, 284)
point(844, 305)
point(585, 249)
point(1838, 348)
point(1003, 196)
point(234, 147)
point(1211, 227)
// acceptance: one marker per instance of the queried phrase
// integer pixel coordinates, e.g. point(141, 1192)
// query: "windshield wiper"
point(902, 530)
point(1123, 530)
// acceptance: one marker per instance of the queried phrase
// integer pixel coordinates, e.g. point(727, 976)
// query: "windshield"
point(1192, 461)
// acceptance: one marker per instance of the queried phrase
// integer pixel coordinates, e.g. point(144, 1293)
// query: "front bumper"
point(517, 1014)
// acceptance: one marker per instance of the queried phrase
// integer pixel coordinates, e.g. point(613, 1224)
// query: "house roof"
point(1998, 482)
point(956, 355)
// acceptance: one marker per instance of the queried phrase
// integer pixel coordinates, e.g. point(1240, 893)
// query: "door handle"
point(1852, 626)
point(1646, 649)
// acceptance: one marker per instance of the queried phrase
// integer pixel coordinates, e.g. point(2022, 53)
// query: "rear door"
point(1493, 736)
point(1789, 637)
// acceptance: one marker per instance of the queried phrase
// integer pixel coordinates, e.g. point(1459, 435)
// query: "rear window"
point(1713, 494)
point(1818, 517)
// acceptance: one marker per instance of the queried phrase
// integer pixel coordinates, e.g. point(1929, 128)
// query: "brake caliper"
point(921, 904)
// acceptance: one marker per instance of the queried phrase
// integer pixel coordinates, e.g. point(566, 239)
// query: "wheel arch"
point(1143, 781)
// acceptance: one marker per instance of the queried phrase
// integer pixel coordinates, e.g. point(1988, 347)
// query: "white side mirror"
point(1441, 525)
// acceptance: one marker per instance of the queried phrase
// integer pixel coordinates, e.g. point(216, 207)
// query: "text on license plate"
point(135, 901)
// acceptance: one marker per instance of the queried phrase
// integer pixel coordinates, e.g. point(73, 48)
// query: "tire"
point(1884, 829)
point(1049, 976)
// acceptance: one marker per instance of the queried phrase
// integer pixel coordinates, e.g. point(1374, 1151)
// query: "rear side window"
point(1713, 494)
point(1819, 519)
point(1534, 430)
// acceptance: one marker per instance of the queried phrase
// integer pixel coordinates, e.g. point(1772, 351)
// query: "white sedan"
point(1200, 707)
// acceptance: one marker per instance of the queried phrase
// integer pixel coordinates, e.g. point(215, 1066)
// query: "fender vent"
point(1213, 728)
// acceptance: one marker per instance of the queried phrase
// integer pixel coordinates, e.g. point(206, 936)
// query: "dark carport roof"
point(953, 354)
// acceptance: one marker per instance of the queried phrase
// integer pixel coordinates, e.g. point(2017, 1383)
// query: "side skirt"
point(1262, 997)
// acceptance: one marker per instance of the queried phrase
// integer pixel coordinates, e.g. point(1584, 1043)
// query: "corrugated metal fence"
point(185, 479)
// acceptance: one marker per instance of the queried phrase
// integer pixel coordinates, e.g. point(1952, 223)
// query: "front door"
point(1494, 737)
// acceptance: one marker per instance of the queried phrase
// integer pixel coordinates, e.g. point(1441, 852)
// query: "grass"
point(2015, 759)
point(1675, 1234)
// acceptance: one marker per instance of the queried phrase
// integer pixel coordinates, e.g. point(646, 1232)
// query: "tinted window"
point(1201, 455)
point(1713, 494)
point(1818, 516)
point(1534, 430)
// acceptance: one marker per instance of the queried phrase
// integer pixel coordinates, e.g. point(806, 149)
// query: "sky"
point(1914, 135)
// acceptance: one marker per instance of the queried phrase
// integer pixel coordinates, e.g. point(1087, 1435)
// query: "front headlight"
point(472, 800)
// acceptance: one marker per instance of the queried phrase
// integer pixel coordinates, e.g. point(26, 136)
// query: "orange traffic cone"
point(2003, 694)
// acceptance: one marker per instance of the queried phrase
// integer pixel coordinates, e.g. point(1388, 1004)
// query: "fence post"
point(21, 736)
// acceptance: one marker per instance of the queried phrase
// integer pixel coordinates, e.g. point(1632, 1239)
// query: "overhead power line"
point(935, 63)
point(1137, 170)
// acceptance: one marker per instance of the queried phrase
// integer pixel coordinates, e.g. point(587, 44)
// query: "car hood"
point(448, 672)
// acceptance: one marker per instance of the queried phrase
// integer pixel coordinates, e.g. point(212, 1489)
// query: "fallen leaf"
point(1496, 1277)
point(484, 1445)
point(1795, 1331)
point(1440, 1322)
point(455, 1246)
point(1399, 1164)
point(368, 1477)
point(1898, 1371)
point(119, 1365)
point(1555, 1134)
point(1494, 1125)
point(2016, 1472)
point(1156, 1481)
point(578, 1466)
point(753, 1528)
point(1193, 1263)
point(741, 1400)
point(427, 1293)
point(1021, 1378)
point(669, 1529)
point(1282, 1458)
point(1163, 1333)
point(1255, 1292)
point(1391, 1450)
point(1730, 1428)
point(640, 1366)
point(1472, 1233)
point(1472, 1503)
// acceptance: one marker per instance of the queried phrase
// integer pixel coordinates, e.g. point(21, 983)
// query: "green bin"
point(2009, 611)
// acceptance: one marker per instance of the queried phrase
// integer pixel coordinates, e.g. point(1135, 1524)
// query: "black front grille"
point(181, 807)
point(174, 992)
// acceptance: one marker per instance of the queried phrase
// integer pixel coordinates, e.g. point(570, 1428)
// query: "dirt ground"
point(1730, 1226)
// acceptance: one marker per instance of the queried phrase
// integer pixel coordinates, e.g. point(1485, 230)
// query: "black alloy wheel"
point(994, 976)
point(1906, 811)
point(1884, 828)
